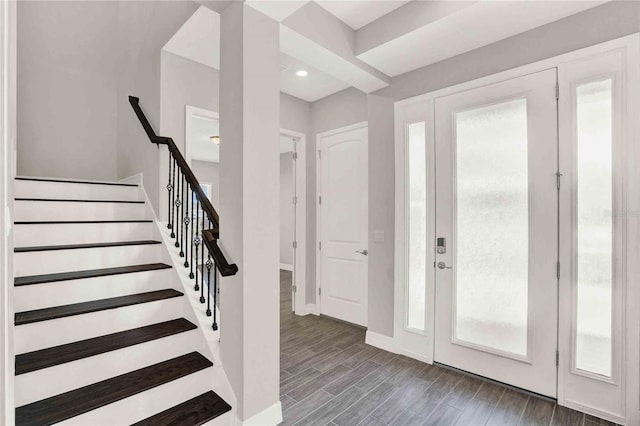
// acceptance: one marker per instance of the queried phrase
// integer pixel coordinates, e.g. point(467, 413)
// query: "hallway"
point(328, 376)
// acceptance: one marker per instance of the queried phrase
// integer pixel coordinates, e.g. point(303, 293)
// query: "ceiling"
point(364, 43)
point(358, 13)
point(204, 149)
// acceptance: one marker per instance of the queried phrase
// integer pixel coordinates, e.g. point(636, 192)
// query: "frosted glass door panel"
point(417, 226)
point(492, 232)
point(594, 223)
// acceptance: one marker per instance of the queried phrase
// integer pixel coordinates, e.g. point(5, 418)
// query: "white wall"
point(67, 89)
point(287, 219)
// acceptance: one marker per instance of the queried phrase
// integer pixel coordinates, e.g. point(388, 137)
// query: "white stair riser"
point(38, 296)
point(52, 261)
point(27, 210)
point(81, 233)
point(76, 191)
point(44, 334)
point(148, 403)
point(41, 384)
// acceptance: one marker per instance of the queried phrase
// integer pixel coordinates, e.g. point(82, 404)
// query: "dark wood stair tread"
point(49, 357)
point(75, 181)
point(69, 222)
point(84, 246)
point(69, 200)
point(193, 412)
point(78, 401)
point(90, 273)
point(55, 312)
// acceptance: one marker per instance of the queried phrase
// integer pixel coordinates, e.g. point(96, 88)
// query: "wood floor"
point(328, 376)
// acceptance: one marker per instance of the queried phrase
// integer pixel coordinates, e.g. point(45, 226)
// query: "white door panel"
point(496, 206)
point(344, 225)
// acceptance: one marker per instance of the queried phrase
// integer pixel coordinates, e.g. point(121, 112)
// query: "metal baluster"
point(196, 242)
point(182, 221)
point(202, 263)
point(191, 236)
point(169, 188)
point(173, 194)
point(215, 297)
point(187, 220)
point(177, 220)
point(209, 265)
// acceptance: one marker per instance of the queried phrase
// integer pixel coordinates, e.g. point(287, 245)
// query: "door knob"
point(442, 265)
point(363, 252)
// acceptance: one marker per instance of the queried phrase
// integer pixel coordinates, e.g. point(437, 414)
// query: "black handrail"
point(210, 236)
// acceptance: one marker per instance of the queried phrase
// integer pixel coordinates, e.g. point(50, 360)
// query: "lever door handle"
point(442, 265)
point(364, 252)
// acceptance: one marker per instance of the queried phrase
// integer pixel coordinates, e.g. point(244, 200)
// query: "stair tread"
point(195, 411)
point(84, 246)
point(66, 222)
point(87, 182)
point(55, 312)
point(49, 357)
point(78, 401)
point(90, 273)
point(77, 200)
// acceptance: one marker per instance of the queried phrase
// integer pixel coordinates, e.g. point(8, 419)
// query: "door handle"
point(442, 265)
point(364, 252)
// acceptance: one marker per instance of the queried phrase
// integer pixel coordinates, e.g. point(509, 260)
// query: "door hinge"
point(295, 199)
point(294, 244)
point(320, 245)
point(558, 176)
point(319, 291)
point(320, 154)
point(295, 155)
point(557, 91)
point(295, 288)
point(319, 199)
point(557, 358)
point(558, 270)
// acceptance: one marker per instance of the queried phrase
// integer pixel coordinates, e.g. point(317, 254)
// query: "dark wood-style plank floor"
point(328, 376)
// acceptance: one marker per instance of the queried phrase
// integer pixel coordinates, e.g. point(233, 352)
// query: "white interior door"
point(497, 228)
point(343, 221)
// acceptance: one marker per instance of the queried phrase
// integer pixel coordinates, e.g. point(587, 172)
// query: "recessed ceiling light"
point(302, 73)
point(215, 139)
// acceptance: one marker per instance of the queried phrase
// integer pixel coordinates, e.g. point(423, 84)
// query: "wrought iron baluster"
point(196, 241)
point(215, 296)
point(191, 235)
point(177, 220)
point(173, 194)
point(187, 238)
point(209, 265)
point(202, 263)
point(169, 188)
point(182, 218)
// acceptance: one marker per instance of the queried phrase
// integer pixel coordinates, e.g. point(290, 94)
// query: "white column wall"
point(249, 201)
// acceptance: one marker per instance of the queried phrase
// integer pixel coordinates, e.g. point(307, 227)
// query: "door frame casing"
point(319, 137)
point(300, 229)
point(421, 108)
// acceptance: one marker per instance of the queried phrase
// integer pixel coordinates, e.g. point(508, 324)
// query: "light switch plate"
point(378, 236)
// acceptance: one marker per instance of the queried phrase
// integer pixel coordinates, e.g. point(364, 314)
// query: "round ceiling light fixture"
point(302, 73)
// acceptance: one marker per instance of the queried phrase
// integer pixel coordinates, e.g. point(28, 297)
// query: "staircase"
point(105, 331)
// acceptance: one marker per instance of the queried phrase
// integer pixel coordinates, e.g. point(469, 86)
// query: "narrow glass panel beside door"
point(492, 229)
point(594, 221)
point(417, 232)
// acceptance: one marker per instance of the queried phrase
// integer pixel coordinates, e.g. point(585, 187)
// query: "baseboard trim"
point(267, 417)
point(311, 308)
point(286, 267)
point(380, 341)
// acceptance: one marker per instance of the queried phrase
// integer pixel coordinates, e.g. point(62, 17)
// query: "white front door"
point(343, 222)
point(497, 231)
